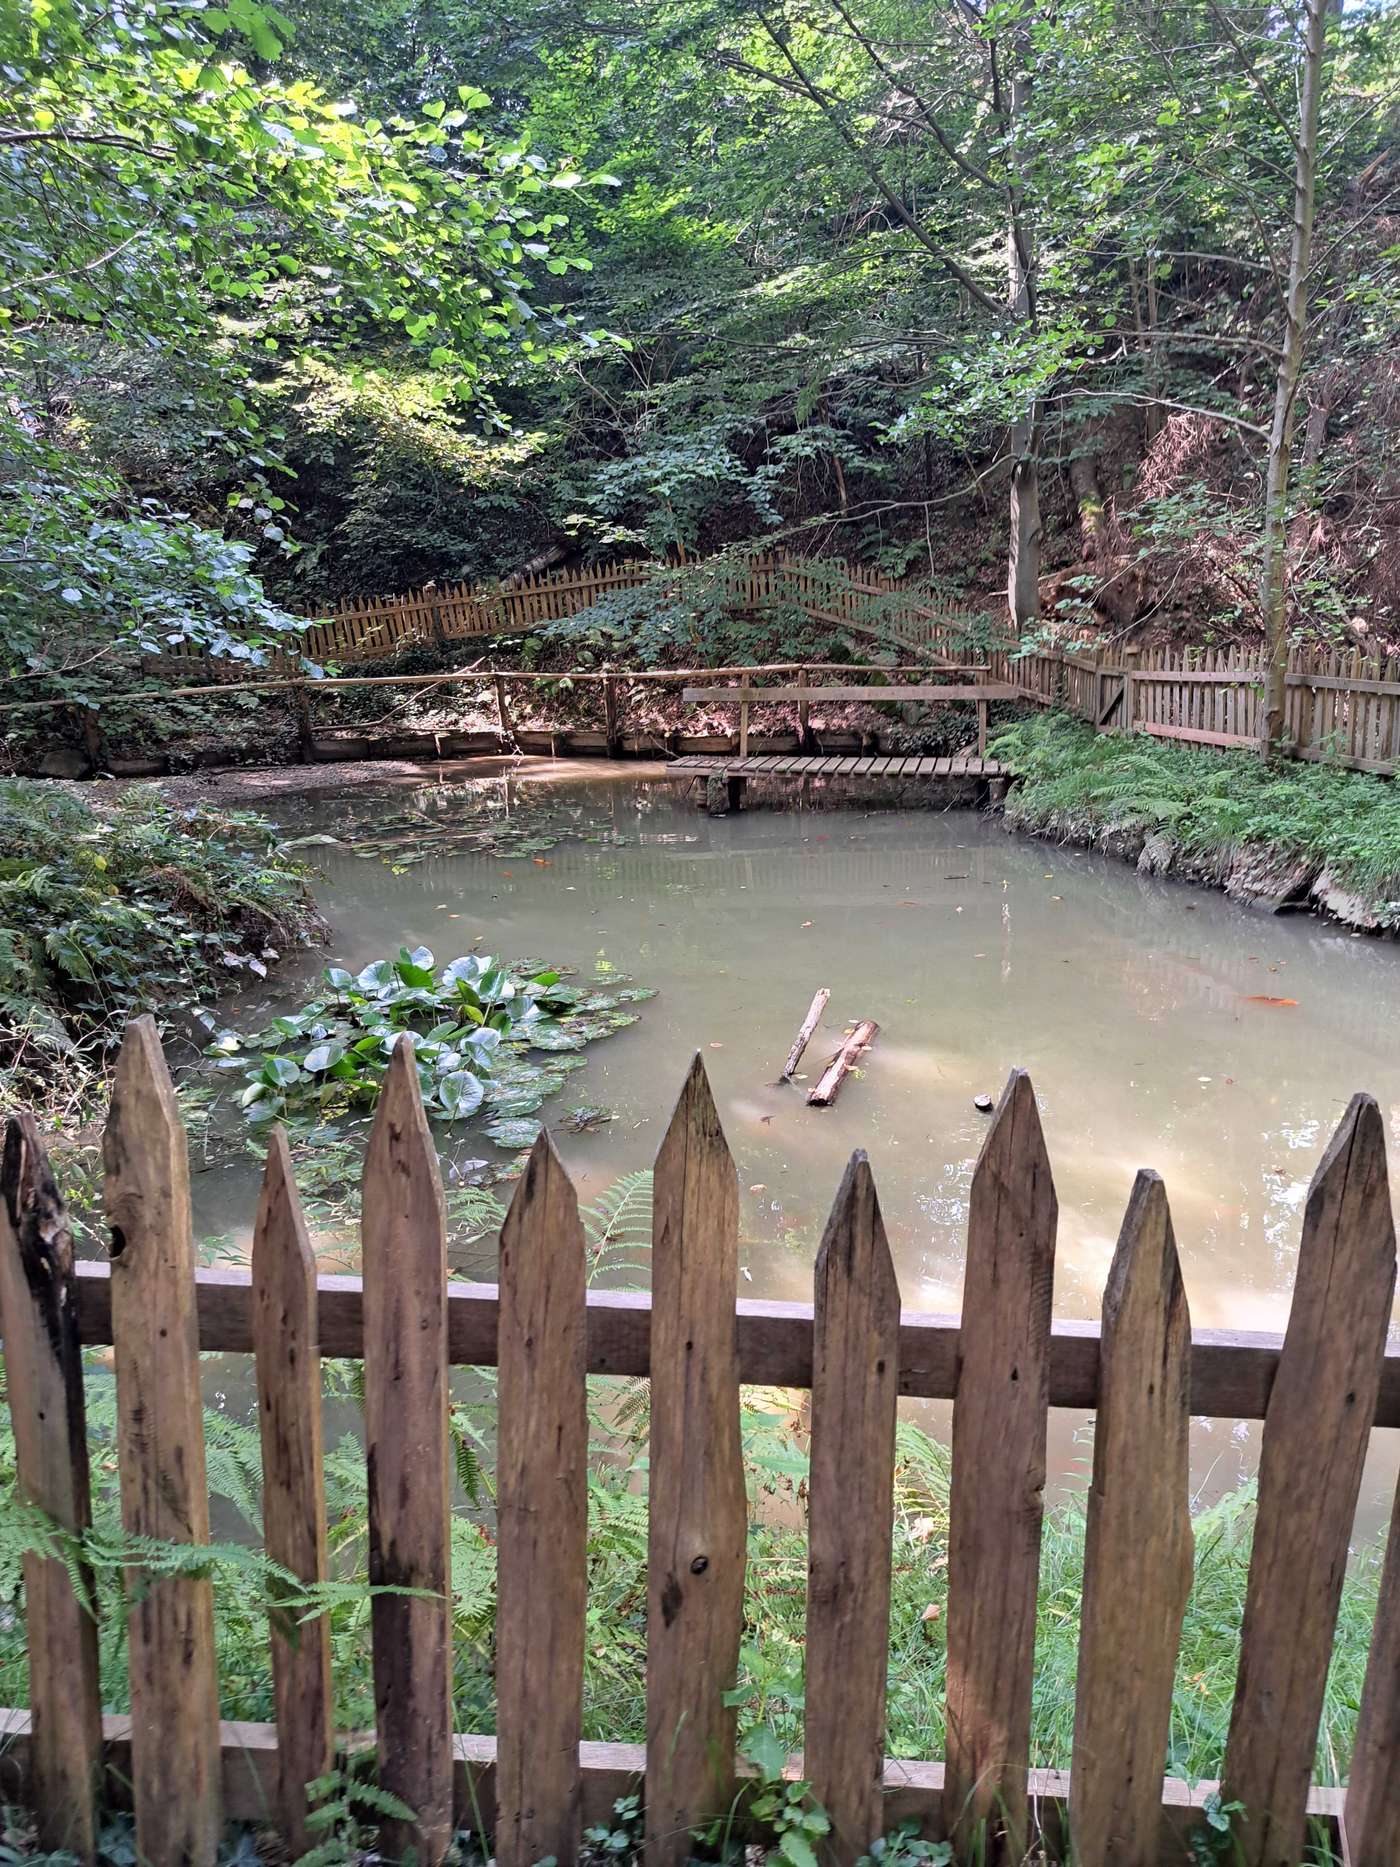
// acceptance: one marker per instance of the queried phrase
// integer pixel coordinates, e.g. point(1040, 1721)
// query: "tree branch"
point(926, 116)
point(158, 152)
point(896, 205)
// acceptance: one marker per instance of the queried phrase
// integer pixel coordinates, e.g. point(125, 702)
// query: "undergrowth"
point(1077, 783)
point(122, 905)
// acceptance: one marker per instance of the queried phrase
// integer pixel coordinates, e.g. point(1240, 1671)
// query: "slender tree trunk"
point(1274, 566)
point(1023, 557)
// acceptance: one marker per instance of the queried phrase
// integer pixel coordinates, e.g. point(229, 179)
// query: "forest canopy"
point(301, 302)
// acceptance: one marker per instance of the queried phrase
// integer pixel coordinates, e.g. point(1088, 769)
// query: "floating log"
point(804, 1036)
point(842, 1063)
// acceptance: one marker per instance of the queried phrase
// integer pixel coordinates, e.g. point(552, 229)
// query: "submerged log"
point(804, 1036)
point(842, 1063)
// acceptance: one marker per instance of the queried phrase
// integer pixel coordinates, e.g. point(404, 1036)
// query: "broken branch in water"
point(844, 1061)
point(809, 1024)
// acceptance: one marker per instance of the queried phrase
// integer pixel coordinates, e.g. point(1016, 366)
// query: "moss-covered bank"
point(1295, 836)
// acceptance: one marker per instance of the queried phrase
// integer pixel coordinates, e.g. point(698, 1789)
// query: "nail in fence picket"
point(536, 1782)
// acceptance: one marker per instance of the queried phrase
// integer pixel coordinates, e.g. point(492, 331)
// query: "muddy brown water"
point(1140, 1007)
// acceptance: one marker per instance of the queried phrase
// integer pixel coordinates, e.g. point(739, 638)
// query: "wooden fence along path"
point(1320, 1389)
point(1344, 708)
point(1341, 707)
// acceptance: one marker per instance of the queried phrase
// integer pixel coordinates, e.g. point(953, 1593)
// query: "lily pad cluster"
point(482, 1032)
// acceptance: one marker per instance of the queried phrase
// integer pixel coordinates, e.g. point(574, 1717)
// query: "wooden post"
point(507, 730)
point(294, 1504)
point(744, 727)
point(404, 1252)
point(175, 1765)
point(804, 714)
point(855, 1387)
point(90, 725)
point(44, 1379)
point(306, 738)
point(981, 721)
point(1128, 708)
point(697, 1505)
point(1139, 1524)
point(995, 1506)
point(1321, 1406)
point(612, 716)
point(542, 1518)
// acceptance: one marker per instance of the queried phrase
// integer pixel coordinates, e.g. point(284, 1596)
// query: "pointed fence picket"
point(535, 1784)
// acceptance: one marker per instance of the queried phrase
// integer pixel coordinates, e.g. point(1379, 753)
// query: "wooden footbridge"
point(959, 769)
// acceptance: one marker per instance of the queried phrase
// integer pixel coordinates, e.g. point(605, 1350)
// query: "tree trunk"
point(1023, 558)
point(1274, 567)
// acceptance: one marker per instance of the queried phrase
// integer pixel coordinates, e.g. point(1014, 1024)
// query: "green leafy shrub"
point(1076, 782)
point(120, 905)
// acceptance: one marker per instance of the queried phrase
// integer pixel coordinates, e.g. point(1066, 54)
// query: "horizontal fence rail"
point(1319, 1390)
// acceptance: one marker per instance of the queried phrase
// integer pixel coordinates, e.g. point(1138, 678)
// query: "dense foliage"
point(391, 292)
point(111, 908)
point(179, 224)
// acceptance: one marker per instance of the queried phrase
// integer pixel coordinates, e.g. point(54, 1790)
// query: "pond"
point(1162, 1026)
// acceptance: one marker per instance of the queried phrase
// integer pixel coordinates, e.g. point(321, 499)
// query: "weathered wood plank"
point(404, 1255)
point(996, 1504)
point(44, 1389)
point(1139, 1527)
point(923, 692)
point(542, 1518)
point(912, 1790)
point(1372, 1816)
point(1232, 1370)
point(697, 1505)
point(160, 1453)
point(1193, 734)
point(288, 1360)
point(1318, 1422)
point(855, 1390)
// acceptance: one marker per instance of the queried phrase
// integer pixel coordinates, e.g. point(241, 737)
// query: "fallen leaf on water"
point(542, 862)
point(806, 923)
point(716, 1046)
point(758, 1189)
point(1263, 998)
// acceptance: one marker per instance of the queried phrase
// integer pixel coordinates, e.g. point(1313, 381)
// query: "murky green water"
point(1137, 1006)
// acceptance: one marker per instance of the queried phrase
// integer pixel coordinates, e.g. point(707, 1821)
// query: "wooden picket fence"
point(1344, 708)
point(1319, 1390)
point(375, 627)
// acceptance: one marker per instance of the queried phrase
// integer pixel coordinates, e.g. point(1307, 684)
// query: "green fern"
point(617, 1226)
